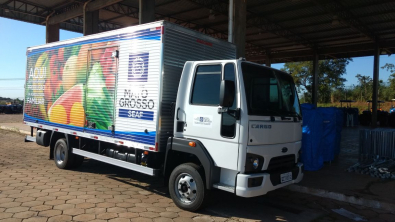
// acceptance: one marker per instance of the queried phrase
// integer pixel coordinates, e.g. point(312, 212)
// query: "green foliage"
point(364, 89)
point(389, 92)
point(330, 74)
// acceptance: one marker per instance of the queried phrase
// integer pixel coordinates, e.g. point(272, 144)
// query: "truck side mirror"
point(227, 93)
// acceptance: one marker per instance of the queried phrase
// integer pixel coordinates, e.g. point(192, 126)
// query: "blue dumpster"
point(312, 151)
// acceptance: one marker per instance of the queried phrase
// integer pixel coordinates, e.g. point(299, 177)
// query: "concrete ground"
point(13, 122)
point(333, 177)
point(33, 189)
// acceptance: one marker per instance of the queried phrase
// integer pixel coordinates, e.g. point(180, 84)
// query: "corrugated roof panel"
point(267, 6)
point(329, 33)
point(382, 26)
point(345, 43)
point(299, 15)
point(180, 9)
point(47, 3)
point(297, 20)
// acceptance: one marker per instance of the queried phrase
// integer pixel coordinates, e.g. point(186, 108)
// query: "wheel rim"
point(60, 153)
point(185, 188)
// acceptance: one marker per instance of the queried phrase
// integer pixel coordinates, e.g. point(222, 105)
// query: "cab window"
point(206, 85)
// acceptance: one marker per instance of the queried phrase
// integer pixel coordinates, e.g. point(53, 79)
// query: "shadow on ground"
point(275, 206)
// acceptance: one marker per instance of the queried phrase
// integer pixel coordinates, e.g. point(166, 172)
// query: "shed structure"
point(264, 31)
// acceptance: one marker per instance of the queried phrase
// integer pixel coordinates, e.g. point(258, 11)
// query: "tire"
point(62, 156)
point(187, 188)
point(78, 160)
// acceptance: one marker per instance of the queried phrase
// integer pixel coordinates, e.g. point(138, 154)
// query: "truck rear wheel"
point(186, 187)
point(62, 156)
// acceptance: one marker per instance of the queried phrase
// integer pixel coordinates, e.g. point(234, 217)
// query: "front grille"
point(282, 162)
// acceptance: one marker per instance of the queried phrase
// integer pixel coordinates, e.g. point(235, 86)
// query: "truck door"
point(198, 115)
point(100, 93)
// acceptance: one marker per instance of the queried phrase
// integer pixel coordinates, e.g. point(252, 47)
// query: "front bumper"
point(270, 181)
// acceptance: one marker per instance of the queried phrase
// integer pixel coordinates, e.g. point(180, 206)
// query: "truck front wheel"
point(186, 187)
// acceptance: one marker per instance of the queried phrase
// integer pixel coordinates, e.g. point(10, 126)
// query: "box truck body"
point(161, 99)
point(83, 87)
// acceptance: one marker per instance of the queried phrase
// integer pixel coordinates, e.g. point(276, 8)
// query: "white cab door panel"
point(197, 114)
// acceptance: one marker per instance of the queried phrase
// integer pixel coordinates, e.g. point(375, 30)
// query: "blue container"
point(329, 132)
point(339, 127)
point(312, 151)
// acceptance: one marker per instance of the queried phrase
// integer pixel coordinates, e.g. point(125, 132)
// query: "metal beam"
point(259, 21)
point(52, 33)
point(360, 5)
point(324, 32)
point(239, 34)
point(122, 11)
point(376, 69)
point(314, 90)
point(310, 57)
point(181, 12)
point(91, 22)
point(336, 8)
point(146, 11)
point(92, 6)
point(331, 50)
point(268, 61)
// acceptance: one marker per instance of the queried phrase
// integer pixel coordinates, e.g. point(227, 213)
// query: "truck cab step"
point(225, 187)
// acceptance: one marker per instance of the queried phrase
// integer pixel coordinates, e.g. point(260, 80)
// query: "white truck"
point(164, 100)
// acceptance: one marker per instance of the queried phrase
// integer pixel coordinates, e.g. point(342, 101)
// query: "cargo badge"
point(138, 67)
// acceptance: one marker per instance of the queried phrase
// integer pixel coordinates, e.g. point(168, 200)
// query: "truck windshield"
point(269, 92)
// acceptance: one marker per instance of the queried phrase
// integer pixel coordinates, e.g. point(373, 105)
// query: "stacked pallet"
point(380, 168)
point(376, 153)
point(376, 143)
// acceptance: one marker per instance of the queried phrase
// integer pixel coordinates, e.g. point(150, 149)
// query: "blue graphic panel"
point(138, 67)
point(136, 114)
point(140, 137)
point(146, 34)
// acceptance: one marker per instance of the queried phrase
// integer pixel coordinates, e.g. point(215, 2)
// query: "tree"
point(390, 90)
point(330, 74)
point(365, 87)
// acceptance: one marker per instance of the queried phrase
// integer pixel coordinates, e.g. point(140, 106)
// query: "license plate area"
point(285, 177)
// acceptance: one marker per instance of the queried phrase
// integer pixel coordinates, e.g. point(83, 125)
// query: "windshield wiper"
point(295, 114)
point(273, 111)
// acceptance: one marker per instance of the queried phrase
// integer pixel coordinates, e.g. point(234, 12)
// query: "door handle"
point(178, 109)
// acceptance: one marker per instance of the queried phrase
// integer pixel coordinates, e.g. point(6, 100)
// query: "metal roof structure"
point(285, 30)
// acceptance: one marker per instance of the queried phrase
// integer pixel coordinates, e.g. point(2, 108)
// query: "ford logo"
point(284, 149)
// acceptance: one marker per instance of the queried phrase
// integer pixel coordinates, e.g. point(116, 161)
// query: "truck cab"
point(242, 121)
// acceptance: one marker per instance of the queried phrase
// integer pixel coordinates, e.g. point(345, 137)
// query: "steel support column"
point(230, 21)
point(376, 68)
point(240, 22)
point(146, 11)
point(314, 92)
point(268, 61)
point(52, 33)
point(91, 22)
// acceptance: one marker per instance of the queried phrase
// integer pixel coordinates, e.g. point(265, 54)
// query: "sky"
point(16, 36)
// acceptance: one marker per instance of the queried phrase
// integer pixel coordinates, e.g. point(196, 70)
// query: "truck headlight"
point(254, 163)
